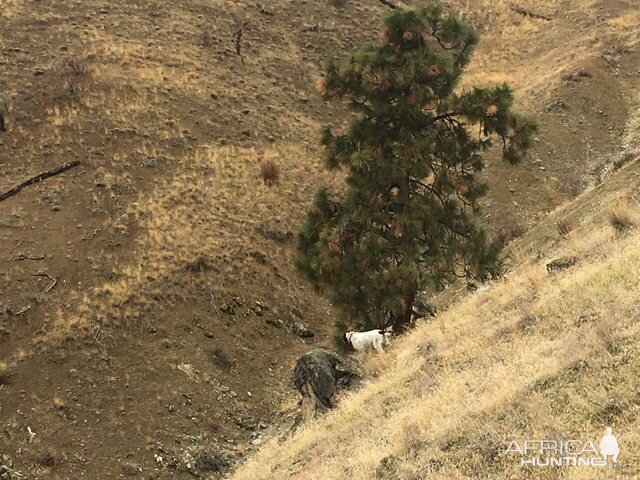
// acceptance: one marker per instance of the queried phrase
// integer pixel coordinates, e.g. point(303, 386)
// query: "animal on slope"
point(372, 340)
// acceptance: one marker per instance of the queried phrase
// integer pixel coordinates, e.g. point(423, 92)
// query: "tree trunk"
point(402, 319)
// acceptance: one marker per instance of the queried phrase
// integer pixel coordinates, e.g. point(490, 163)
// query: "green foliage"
point(411, 154)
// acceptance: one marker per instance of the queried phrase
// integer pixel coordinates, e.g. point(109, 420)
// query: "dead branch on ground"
point(39, 178)
point(528, 13)
point(45, 274)
point(29, 257)
point(19, 312)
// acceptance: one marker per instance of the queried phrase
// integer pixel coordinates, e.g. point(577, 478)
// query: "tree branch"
point(38, 178)
point(529, 13)
point(45, 274)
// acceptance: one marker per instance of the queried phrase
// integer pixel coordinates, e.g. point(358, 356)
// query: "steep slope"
point(163, 335)
point(539, 355)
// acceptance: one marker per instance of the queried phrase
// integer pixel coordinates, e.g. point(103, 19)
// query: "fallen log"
point(39, 178)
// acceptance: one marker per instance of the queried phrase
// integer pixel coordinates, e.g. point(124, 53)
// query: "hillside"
point(167, 333)
point(538, 355)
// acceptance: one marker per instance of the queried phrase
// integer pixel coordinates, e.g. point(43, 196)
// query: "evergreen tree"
point(412, 154)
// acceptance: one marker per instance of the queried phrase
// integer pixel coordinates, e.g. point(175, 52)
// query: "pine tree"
point(412, 153)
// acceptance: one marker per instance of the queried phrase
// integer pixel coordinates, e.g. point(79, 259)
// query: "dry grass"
point(621, 216)
point(270, 172)
point(558, 46)
point(123, 79)
point(564, 227)
point(193, 237)
point(151, 92)
point(529, 358)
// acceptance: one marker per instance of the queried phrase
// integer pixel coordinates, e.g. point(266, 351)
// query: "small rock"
point(300, 330)
point(216, 462)
point(228, 308)
point(256, 441)
point(561, 264)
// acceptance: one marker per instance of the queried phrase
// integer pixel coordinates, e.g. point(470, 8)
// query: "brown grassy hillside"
point(537, 356)
point(163, 335)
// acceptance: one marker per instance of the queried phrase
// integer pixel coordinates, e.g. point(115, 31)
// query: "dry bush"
point(337, 3)
point(572, 186)
point(76, 66)
point(607, 331)
point(564, 227)
point(74, 73)
point(527, 319)
point(621, 216)
point(624, 159)
point(206, 39)
point(503, 236)
point(270, 172)
point(221, 358)
point(70, 94)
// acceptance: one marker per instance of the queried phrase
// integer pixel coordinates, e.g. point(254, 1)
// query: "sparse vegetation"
point(270, 172)
point(527, 319)
point(491, 387)
point(76, 66)
point(168, 220)
point(621, 216)
point(221, 358)
point(206, 39)
point(624, 159)
point(507, 234)
point(564, 227)
point(572, 186)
